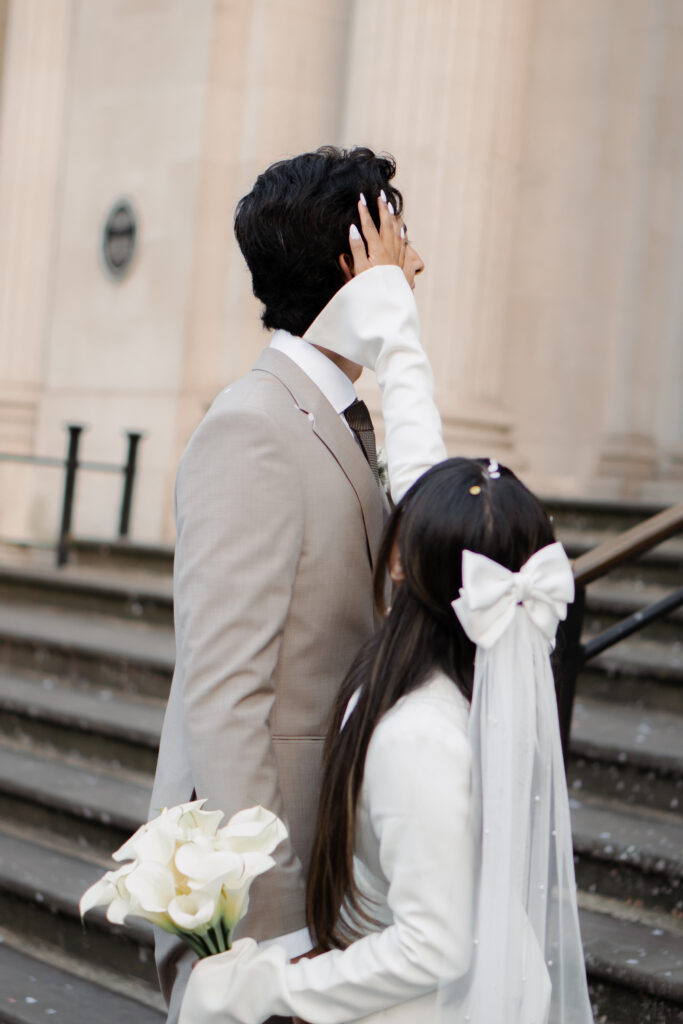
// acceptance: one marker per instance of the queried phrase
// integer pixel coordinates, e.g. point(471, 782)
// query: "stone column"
point(4, 10)
point(443, 87)
point(274, 84)
point(671, 366)
point(645, 134)
point(35, 80)
point(34, 90)
point(669, 229)
point(560, 293)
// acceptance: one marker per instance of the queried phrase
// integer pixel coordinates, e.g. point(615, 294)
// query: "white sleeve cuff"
point(296, 943)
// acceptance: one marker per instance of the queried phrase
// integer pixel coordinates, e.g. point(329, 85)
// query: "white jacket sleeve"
point(373, 320)
point(422, 822)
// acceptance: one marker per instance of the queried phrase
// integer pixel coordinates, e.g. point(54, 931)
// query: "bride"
point(442, 882)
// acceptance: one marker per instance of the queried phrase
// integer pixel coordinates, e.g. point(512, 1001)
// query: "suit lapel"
point(329, 429)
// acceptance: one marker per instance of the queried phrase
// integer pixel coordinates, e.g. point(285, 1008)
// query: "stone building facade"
point(540, 152)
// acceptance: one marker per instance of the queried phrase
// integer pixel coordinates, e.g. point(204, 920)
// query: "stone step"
point(33, 990)
point(156, 558)
point(634, 961)
point(98, 810)
point(639, 852)
point(96, 723)
point(121, 555)
point(627, 753)
point(135, 989)
point(134, 656)
point(130, 595)
point(39, 892)
point(648, 673)
point(610, 601)
point(628, 853)
point(598, 513)
point(663, 564)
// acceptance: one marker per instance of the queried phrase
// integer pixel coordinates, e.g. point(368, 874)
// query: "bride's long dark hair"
point(455, 506)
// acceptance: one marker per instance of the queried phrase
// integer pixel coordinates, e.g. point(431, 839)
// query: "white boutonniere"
point(383, 470)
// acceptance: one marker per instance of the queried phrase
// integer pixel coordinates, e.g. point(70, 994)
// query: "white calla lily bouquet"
point(187, 875)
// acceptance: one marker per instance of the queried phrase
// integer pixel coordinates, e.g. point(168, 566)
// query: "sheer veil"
point(527, 960)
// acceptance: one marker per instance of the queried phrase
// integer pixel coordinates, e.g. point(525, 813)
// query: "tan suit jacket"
point(278, 523)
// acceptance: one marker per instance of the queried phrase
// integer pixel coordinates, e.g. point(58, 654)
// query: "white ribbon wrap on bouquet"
point(527, 964)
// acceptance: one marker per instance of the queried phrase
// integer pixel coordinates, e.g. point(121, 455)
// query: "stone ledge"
point(136, 720)
point(93, 803)
point(619, 598)
point(150, 646)
point(87, 579)
point(646, 738)
point(33, 991)
point(634, 955)
point(622, 834)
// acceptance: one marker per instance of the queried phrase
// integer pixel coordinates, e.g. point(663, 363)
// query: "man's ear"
point(346, 264)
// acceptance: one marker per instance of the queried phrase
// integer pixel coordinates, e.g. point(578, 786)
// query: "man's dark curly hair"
point(294, 224)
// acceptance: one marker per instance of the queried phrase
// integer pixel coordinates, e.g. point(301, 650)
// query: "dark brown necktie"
point(358, 418)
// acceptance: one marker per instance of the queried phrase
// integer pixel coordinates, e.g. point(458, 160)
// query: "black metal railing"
point(71, 465)
point(572, 653)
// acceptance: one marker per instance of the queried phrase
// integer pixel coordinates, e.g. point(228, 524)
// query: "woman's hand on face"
point(373, 248)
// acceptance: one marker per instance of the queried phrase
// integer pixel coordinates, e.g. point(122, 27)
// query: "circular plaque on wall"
point(119, 237)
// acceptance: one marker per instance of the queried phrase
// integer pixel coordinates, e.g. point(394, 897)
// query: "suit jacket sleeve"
point(240, 529)
point(418, 785)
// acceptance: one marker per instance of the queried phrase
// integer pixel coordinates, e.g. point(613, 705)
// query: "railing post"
point(568, 663)
point(128, 482)
point(70, 468)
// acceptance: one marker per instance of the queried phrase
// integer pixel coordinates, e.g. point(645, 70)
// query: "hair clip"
point(493, 469)
point(475, 489)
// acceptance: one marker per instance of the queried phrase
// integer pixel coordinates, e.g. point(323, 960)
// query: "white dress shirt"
point(326, 375)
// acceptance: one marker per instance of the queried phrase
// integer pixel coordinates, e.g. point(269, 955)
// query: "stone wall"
point(540, 151)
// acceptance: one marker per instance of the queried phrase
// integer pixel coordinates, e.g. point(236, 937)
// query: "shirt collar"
point(326, 375)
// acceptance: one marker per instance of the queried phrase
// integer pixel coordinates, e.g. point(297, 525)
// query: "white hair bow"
point(544, 586)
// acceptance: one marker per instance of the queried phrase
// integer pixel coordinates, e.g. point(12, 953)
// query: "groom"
point(279, 515)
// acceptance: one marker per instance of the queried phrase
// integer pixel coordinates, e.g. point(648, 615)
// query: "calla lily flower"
point(234, 900)
point(153, 886)
point(202, 863)
point(155, 841)
point(192, 912)
point(254, 829)
point(195, 820)
point(112, 892)
point(189, 876)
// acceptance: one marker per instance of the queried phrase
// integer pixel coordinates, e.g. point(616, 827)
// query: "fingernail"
point(390, 208)
point(382, 196)
point(354, 233)
point(403, 231)
point(363, 199)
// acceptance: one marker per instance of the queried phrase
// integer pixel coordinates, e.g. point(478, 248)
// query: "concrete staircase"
point(86, 657)
point(625, 776)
